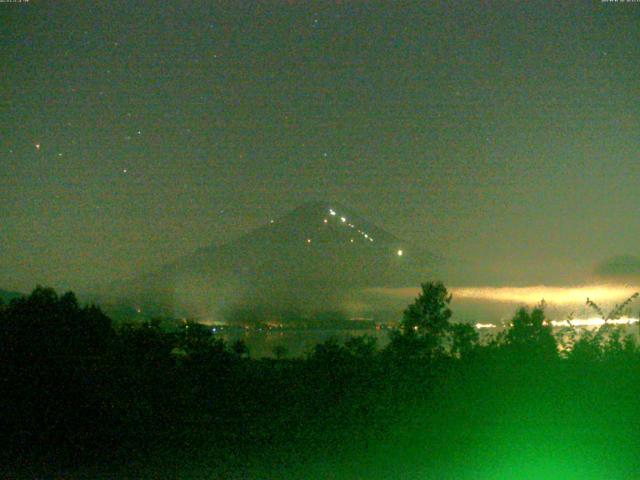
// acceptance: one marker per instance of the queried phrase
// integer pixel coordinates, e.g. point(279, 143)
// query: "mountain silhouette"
point(310, 259)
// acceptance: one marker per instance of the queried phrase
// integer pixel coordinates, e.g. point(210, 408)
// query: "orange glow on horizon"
point(527, 295)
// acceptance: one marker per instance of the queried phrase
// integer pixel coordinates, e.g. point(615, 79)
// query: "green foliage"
point(362, 347)
point(429, 314)
point(280, 351)
point(329, 352)
point(530, 335)
point(425, 324)
point(464, 339)
point(606, 342)
point(146, 383)
point(239, 347)
point(43, 325)
point(616, 312)
point(355, 349)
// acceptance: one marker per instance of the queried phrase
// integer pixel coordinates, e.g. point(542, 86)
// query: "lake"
point(297, 342)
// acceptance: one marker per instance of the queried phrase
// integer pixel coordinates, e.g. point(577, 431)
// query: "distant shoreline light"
point(593, 322)
point(576, 322)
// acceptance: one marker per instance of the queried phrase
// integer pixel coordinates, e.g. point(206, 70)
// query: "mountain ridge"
point(311, 258)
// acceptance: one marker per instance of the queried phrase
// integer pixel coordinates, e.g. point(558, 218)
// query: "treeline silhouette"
point(77, 391)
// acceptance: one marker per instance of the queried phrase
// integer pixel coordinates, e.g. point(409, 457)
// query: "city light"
point(592, 322)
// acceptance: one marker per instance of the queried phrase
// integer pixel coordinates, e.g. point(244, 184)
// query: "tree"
point(617, 312)
point(425, 323)
point(329, 353)
point(55, 362)
point(43, 325)
point(280, 351)
point(464, 339)
point(240, 348)
point(530, 334)
point(607, 341)
point(362, 347)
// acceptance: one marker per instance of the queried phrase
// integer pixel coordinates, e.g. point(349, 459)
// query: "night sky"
point(502, 135)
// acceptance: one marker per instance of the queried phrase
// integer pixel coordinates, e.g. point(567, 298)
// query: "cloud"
point(575, 295)
point(619, 267)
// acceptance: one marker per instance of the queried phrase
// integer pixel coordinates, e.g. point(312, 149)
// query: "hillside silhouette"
point(86, 399)
point(309, 260)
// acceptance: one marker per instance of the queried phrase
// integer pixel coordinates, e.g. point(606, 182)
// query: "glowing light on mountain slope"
point(350, 225)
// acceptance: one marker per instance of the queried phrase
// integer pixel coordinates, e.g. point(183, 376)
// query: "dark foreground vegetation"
point(82, 399)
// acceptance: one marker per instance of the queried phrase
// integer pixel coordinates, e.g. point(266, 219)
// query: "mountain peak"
point(314, 207)
point(313, 257)
point(320, 218)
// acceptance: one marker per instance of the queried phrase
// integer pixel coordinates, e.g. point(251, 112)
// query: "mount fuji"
point(310, 260)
